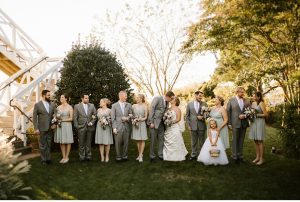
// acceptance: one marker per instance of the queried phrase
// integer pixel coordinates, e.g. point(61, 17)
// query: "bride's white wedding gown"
point(174, 148)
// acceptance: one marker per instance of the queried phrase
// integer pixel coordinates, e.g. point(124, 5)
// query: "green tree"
point(256, 41)
point(91, 69)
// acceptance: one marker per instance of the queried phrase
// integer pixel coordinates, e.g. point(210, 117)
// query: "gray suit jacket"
point(234, 110)
point(81, 119)
point(191, 116)
point(157, 111)
point(117, 114)
point(41, 118)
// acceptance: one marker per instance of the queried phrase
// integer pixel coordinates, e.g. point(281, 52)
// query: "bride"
point(174, 148)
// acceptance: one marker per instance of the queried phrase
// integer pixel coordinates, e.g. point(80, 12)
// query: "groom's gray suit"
point(157, 110)
point(198, 127)
point(85, 132)
point(42, 122)
point(123, 128)
point(239, 126)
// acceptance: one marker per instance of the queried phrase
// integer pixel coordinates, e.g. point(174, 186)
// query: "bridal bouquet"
point(57, 119)
point(105, 121)
point(205, 111)
point(167, 118)
point(250, 113)
point(214, 152)
point(135, 120)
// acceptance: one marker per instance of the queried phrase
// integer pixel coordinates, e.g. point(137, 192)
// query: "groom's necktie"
point(197, 105)
point(241, 104)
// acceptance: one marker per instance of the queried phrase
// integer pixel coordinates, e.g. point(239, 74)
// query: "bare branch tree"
point(147, 40)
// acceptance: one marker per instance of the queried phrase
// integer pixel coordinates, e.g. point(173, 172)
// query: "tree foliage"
point(91, 69)
point(256, 41)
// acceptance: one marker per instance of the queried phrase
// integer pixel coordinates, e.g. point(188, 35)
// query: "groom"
point(158, 107)
point(84, 121)
point(42, 116)
point(196, 123)
point(120, 117)
point(237, 121)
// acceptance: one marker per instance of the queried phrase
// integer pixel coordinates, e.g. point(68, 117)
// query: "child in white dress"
point(213, 151)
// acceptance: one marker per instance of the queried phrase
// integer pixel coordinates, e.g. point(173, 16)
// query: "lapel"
point(237, 102)
point(163, 102)
point(50, 108)
point(193, 107)
point(88, 108)
point(82, 109)
point(121, 108)
point(43, 106)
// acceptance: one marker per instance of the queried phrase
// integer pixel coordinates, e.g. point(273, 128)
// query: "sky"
point(55, 24)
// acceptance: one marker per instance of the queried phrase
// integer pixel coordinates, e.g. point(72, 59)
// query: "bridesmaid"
point(258, 127)
point(104, 136)
point(220, 115)
point(64, 133)
point(140, 133)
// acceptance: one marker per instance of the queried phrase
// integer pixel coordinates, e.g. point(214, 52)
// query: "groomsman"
point(84, 121)
point(196, 123)
point(237, 121)
point(120, 115)
point(42, 116)
point(158, 107)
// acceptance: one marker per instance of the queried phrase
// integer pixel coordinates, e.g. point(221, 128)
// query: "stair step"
point(23, 150)
point(6, 124)
point(18, 144)
point(8, 130)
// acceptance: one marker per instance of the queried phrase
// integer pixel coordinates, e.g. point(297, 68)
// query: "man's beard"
point(47, 99)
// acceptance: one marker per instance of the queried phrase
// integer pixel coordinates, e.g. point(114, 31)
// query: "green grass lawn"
point(278, 178)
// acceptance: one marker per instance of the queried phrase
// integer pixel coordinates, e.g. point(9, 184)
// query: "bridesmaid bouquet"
point(214, 152)
point(205, 111)
point(135, 120)
point(57, 119)
point(250, 113)
point(167, 118)
point(105, 121)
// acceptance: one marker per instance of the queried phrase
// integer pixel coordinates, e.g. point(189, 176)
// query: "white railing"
point(22, 100)
point(35, 72)
point(17, 43)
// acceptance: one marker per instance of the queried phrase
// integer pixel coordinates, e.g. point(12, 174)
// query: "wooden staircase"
point(6, 124)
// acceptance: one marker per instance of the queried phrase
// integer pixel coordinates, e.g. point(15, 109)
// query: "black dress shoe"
point(160, 158)
point(49, 162)
point(124, 159)
point(192, 158)
point(236, 161)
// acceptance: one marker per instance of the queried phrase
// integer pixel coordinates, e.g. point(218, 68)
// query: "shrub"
point(290, 132)
point(11, 185)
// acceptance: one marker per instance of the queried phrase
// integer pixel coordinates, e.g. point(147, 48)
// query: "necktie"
point(85, 109)
point(46, 104)
point(241, 104)
point(122, 107)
